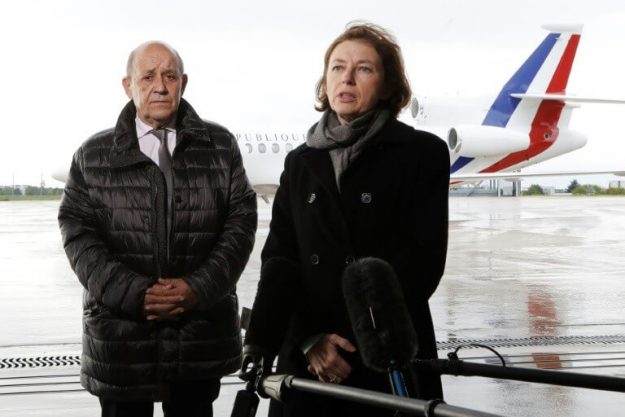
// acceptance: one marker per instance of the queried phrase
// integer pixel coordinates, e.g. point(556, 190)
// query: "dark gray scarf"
point(345, 142)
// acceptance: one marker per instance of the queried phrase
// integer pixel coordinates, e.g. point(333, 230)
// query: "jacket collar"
point(320, 164)
point(319, 157)
point(126, 150)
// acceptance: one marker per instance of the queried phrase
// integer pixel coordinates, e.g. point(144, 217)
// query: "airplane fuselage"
point(263, 153)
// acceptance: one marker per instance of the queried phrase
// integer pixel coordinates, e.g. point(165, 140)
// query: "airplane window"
point(262, 148)
point(249, 147)
point(288, 147)
point(275, 148)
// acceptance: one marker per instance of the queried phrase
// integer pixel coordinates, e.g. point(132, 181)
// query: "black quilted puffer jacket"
point(114, 228)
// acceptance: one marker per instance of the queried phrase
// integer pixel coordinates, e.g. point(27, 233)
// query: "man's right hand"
point(160, 304)
point(326, 362)
point(168, 298)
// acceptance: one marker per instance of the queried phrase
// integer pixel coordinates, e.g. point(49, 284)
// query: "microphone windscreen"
point(378, 314)
point(273, 306)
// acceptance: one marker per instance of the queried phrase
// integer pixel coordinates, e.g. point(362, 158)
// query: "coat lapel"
point(319, 166)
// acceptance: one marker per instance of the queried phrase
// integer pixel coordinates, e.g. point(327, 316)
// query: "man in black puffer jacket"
point(158, 237)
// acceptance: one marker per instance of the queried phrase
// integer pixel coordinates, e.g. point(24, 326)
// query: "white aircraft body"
point(526, 123)
point(263, 156)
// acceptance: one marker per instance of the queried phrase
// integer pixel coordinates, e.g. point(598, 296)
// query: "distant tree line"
point(576, 188)
point(30, 190)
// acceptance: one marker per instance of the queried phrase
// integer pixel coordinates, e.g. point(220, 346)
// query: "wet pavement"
point(541, 279)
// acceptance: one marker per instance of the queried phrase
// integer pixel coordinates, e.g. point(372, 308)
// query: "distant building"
point(617, 184)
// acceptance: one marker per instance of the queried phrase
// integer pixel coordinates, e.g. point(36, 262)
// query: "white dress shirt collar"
point(144, 128)
point(148, 143)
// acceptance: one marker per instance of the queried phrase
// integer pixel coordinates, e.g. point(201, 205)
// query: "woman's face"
point(354, 79)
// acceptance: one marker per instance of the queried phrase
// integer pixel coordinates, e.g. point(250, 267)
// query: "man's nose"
point(159, 85)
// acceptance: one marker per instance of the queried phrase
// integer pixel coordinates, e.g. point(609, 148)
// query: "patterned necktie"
point(164, 162)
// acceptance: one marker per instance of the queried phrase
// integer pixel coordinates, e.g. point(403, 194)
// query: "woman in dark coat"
point(363, 185)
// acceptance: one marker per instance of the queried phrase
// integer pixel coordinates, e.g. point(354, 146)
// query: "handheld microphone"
point(380, 320)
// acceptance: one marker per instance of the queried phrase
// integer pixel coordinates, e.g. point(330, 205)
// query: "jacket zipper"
point(160, 222)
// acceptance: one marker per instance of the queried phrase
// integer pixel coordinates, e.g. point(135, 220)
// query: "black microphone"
point(378, 313)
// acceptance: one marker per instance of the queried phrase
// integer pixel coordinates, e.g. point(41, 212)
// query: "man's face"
point(155, 85)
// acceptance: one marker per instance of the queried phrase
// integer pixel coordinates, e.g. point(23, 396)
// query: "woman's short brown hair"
point(396, 88)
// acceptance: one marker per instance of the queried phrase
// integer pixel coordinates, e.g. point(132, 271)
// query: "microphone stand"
point(277, 387)
point(256, 372)
point(455, 366)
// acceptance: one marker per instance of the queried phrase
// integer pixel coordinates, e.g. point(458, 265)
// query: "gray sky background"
point(255, 64)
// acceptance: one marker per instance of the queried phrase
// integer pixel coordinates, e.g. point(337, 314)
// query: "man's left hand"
point(168, 298)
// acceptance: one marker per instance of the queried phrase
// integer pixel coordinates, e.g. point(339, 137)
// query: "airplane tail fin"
point(542, 78)
point(528, 120)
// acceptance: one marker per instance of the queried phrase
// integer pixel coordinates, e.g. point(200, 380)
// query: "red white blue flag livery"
point(528, 121)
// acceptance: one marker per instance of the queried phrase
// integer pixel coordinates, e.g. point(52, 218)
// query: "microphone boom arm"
point(277, 386)
point(570, 379)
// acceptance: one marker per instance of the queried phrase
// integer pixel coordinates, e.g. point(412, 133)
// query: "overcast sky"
point(254, 64)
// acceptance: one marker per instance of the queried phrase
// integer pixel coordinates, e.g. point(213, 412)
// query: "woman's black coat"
point(392, 205)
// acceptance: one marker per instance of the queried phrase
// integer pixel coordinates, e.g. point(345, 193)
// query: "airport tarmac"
point(540, 279)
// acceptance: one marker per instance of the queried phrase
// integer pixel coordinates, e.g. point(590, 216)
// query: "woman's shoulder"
point(411, 137)
point(300, 150)
point(295, 157)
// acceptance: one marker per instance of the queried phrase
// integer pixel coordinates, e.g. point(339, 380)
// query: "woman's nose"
point(348, 76)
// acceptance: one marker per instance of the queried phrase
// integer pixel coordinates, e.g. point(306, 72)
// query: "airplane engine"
point(475, 141)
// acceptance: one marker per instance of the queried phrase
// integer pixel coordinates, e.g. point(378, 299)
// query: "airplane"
point(526, 123)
